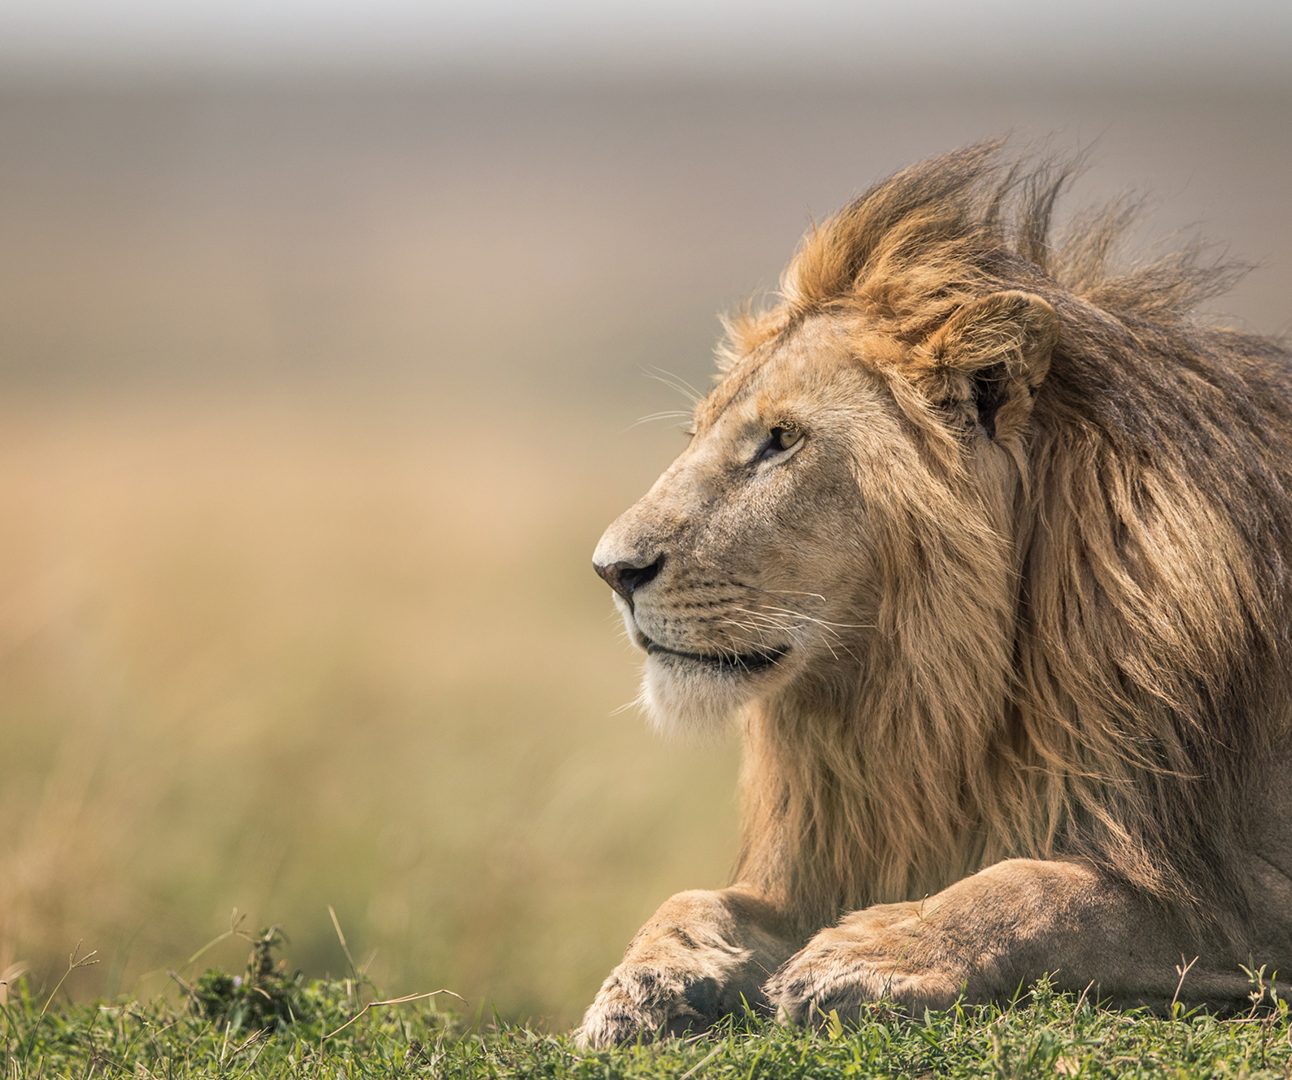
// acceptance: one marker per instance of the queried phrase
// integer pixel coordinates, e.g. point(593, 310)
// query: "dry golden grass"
point(296, 654)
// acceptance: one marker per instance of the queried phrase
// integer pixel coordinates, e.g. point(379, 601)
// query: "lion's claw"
point(840, 971)
point(644, 1003)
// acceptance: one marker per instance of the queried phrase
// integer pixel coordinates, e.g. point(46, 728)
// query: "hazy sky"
point(1250, 37)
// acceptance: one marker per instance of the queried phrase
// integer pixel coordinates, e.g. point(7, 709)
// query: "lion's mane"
point(1099, 683)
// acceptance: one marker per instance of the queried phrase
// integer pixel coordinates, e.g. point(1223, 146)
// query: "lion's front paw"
point(867, 960)
point(643, 1002)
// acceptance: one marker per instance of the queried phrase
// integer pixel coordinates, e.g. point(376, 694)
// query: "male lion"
point(989, 549)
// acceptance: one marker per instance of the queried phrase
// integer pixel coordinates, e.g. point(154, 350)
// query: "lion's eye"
point(785, 437)
point(780, 439)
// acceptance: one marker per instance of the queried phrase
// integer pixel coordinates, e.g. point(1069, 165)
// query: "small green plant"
point(264, 997)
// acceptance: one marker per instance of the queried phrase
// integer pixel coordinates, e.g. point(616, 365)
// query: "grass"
point(272, 1022)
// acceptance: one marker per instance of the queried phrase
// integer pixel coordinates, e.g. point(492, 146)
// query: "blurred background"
point(325, 331)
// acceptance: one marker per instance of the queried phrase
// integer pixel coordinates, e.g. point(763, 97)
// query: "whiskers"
point(782, 618)
point(674, 382)
point(794, 624)
point(683, 415)
point(677, 384)
point(742, 624)
point(638, 702)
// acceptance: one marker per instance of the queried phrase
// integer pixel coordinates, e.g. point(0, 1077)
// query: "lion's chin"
point(683, 699)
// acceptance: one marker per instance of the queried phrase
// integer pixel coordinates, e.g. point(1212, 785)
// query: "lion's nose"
point(625, 577)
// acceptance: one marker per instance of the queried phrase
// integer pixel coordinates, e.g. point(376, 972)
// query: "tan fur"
point(1029, 567)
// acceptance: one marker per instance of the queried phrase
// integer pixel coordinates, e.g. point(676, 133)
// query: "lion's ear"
point(987, 360)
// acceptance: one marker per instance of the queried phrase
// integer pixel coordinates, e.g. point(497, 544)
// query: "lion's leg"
point(1004, 927)
point(699, 957)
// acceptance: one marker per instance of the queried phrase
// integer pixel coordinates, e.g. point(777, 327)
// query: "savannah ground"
point(313, 403)
point(338, 1029)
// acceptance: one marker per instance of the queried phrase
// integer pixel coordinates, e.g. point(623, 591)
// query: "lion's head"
point(838, 439)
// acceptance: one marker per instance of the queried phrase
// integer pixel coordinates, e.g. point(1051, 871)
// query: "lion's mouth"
point(733, 663)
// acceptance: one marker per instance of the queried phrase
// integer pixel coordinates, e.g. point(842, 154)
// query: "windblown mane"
point(1091, 681)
